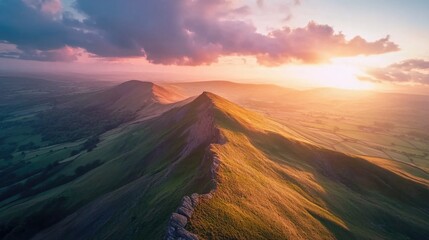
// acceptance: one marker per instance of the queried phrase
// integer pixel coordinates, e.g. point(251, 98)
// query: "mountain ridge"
point(353, 174)
point(143, 99)
point(257, 181)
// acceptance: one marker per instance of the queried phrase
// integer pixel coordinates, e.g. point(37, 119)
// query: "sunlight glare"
point(338, 75)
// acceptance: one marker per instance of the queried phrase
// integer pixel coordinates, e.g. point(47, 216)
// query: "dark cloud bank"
point(182, 32)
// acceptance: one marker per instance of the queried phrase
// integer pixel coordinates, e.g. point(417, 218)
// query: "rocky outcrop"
point(180, 218)
point(203, 131)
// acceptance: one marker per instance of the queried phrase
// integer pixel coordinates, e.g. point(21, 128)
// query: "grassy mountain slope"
point(375, 124)
point(270, 185)
point(275, 187)
point(143, 172)
point(142, 98)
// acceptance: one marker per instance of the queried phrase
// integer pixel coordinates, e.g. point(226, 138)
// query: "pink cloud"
point(414, 71)
point(317, 43)
point(188, 32)
point(50, 7)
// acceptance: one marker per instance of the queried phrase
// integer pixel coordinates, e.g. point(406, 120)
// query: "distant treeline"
point(60, 180)
point(61, 125)
point(31, 185)
point(6, 149)
point(51, 212)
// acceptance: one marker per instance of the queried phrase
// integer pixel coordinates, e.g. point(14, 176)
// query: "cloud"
point(260, 3)
point(317, 43)
point(49, 7)
point(65, 54)
point(186, 32)
point(412, 64)
point(28, 27)
point(414, 71)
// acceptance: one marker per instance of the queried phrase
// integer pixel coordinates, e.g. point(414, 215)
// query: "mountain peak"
point(208, 97)
point(132, 96)
point(148, 91)
point(137, 82)
point(134, 84)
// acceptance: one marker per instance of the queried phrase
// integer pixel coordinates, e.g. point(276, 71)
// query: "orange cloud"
point(317, 43)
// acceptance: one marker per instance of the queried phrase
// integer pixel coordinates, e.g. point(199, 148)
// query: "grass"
point(253, 200)
point(272, 187)
point(272, 184)
point(142, 180)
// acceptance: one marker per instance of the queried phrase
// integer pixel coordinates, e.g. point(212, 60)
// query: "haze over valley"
point(217, 120)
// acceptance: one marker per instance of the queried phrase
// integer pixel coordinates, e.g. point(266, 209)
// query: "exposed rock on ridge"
point(179, 219)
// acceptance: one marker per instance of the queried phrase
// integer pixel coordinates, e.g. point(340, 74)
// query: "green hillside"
point(269, 185)
point(272, 186)
point(140, 177)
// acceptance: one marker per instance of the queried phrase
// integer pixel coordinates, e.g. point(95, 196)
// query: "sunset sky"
point(366, 44)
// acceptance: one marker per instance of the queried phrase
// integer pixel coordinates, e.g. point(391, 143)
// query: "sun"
point(342, 74)
point(339, 75)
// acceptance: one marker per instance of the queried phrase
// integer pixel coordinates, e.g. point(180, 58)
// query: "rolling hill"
point(215, 170)
point(138, 97)
point(392, 126)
